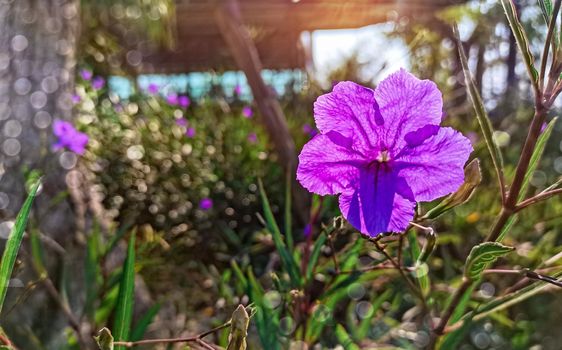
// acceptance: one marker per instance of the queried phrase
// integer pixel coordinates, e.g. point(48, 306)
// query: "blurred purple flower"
point(76, 98)
point(69, 137)
point(309, 130)
point(237, 90)
point(98, 83)
point(153, 89)
point(206, 204)
point(184, 101)
point(86, 74)
point(181, 122)
point(252, 138)
point(172, 99)
point(190, 132)
point(543, 127)
point(383, 151)
point(247, 112)
point(307, 230)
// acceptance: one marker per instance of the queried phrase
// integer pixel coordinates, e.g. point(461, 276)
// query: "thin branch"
point(334, 257)
point(411, 284)
point(538, 198)
point(193, 339)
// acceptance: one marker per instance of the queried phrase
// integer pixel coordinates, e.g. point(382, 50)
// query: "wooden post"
point(229, 21)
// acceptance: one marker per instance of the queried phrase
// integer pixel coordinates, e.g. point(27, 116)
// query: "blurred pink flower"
point(206, 204)
point(152, 88)
point(172, 99)
point(247, 112)
point(181, 122)
point(190, 132)
point(252, 138)
point(98, 83)
point(86, 74)
point(184, 101)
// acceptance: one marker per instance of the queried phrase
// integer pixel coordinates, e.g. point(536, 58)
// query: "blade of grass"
point(13, 244)
point(145, 321)
point(522, 42)
point(481, 115)
point(536, 157)
point(287, 259)
point(288, 214)
point(124, 308)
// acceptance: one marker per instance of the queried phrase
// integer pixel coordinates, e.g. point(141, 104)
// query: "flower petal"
point(435, 167)
point(407, 104)
point(327, 165)
point(349, 110)
point(375, 207)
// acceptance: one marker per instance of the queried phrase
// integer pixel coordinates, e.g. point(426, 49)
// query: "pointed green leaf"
point(287, 259)
point(13, 244)
point(124, 307)
point(546, 9)
point(288, 214)
point(472, 178)
point(481, 113)
point(145, 321)
point(483, 255)
point(522, 41)
point(315, 255)
point(536, 157)
point(344, 338)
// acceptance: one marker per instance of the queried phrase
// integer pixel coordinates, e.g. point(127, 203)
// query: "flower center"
point(383, 157)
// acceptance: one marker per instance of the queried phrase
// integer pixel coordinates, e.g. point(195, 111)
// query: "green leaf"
point(483, 255)
point(142, 325)
point(124, 307)
point(104, 339)
point(315, 255)
point(536, 157)
point(344, 338)
point(481, 113)
point(472, 178)
point(546, 9)
point(287, 259)
point(288, 215)
point(91, 274)
point(13, 244)
point(37, 254)
point(522, 41)
point(365, 324)
point(506, 301)
point(422, 275)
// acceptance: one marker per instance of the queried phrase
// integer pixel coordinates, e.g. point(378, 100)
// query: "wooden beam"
point(227, 15)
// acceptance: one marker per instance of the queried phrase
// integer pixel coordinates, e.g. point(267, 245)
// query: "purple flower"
point(309, 130)
point(383, 150)
point(543, 127)
point(307, 230)
point(184, 101)
point(98, 83)
point(190, 132)
point(76, 98)
point(181, 122)
point(69, 137)
point(237, 90)
point(86, 74)
point(172, 99)
point(247, 112)
point(152, 89)
point(206, 204)
point(252, 138)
